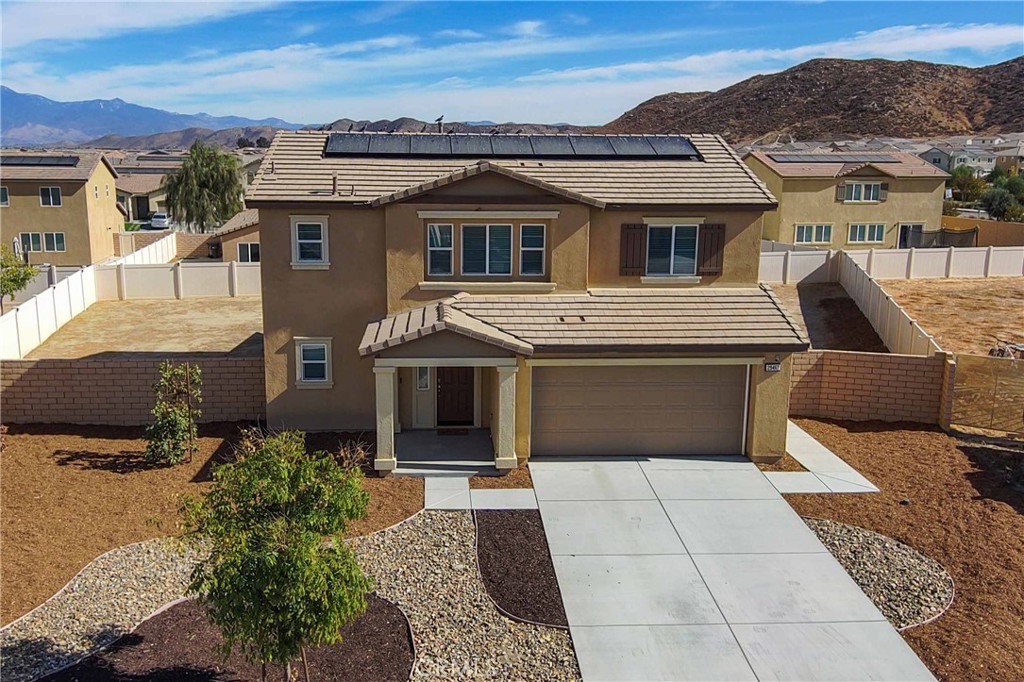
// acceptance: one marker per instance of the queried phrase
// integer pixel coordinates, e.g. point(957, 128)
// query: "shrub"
point(1015, 186)
point(171, 438)
point(997, 202)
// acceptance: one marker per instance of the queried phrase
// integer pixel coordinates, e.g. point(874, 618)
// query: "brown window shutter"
point(633, 249)
point(712, 244)
point(841, 191)
point(883, 191)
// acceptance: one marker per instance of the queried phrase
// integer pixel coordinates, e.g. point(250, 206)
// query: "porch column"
point(385, 457)
point(505, 450)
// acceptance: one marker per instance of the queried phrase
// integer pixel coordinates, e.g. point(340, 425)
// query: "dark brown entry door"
point(454, 396)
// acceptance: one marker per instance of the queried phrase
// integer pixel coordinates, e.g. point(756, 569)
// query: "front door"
point(454, 396)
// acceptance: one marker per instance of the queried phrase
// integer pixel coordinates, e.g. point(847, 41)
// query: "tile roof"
point(240, 221)
point(139, 183)
point(295, 170)
point(607, 320)
point(907, 166)
point(81, 171)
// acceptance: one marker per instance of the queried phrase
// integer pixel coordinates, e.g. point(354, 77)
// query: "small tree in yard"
point(15, 274)
point(965, 185)
point(171, 438)
point(279, 577)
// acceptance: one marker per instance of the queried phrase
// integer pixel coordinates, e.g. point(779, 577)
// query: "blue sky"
point(526, 61)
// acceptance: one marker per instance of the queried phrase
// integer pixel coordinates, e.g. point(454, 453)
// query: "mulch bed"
point(516, 566)
point(516, 478)
point(181, 644)
point(784, 463)
point(950, 500)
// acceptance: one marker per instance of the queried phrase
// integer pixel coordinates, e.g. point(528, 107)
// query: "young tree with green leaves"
point(206, 190)
point(966, 187)
point(279, 577)
point(997, 203)
point(171, 438)
point(15, 274)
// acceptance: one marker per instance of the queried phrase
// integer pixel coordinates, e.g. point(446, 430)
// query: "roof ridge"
point(785, 313)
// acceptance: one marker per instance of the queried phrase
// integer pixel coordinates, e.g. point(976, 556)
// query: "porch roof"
point(705, 320)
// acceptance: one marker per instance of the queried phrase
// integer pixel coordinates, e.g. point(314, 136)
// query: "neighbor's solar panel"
point(833, 158)
point(39, 160)
point(435, 145)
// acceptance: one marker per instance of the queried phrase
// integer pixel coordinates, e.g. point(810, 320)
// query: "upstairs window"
point(863, 191)
point(439, 249)
point(486, 249)
point(672, 250)
point(813, 234)
point(49, 196)
point(531, 250)
point(309, 242)
point(5, 199)
point(867, 233)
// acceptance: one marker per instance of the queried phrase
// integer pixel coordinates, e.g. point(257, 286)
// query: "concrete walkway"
point(826, 472)
point(697, 569)
point(452, 492)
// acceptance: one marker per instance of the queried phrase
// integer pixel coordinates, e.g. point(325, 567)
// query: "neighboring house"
point(1011, 159)
point(980, 161)
point(850, 201)
point(575, 295)
point(239, 238)
point(141, 194)
point(61, 208)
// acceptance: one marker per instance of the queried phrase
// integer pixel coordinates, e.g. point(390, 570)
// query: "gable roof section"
point(477, 169)
point(851, 168)
point(707, 320)
point(828, 166)
point(80, 172)
point(241, 220)
point(139, 183)
point(295, 170)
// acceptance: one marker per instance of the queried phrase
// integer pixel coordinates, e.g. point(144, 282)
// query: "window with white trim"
point(422, 378)
point(867, 233)
point(486, 249)
point(439, 249)
point(863, 191)
point(813, 234)
point(249, 252)
point(49, 196)
point(31, 241)
point(309, 242)
point(96, 191)
point(313, 362)
point(531, 249)
point(672, 250)
point(5, 198)
point(54, 241)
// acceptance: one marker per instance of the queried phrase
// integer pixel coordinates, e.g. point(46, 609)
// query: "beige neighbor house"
point(568, 295)
point(850, 200)
point(239, 238)
point(60, 208)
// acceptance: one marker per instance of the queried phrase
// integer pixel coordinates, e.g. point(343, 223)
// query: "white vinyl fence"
point(161, 251)
point(177, 280)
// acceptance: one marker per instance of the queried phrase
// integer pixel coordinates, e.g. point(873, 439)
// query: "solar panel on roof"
point(347, 144)
point(430, 145)
point(671, 146)
point(833, 158)
point(471, 145)
point(551, 145)
point(39, 160)
point(591, 145)
point(390, 144)
point(511, 145)
point(631, 145)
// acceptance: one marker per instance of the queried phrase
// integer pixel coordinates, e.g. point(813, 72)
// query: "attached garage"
point(638, 410)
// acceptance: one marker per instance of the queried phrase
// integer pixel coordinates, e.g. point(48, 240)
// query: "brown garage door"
point(638, 410)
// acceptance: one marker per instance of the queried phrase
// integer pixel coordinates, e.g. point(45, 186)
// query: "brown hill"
point(182, 139)
point(412, 125)
point(830, 98)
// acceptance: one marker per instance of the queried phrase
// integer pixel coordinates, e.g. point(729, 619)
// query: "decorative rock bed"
point(105, 601)
point(908, 587)
point(428, 566)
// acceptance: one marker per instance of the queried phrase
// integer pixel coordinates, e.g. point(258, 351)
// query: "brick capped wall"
point(192, 245)
point(120, 391)
point(866, 386)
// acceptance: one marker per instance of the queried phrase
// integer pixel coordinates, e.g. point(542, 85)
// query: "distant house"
point(979, 160)
point(1011, 159)
point(59, 208)
point(850, 200)
point(142, 195)
point(239, 237)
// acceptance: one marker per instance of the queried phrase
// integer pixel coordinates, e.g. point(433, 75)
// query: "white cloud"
point(459, 33)
point(305, 29)
point(25, 23)
point(526, 29)
point(381, 12)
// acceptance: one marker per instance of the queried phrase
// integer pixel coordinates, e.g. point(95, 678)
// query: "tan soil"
point(785, 463)
point(71, 493)
point(829, 317)
point(517, 478)
point(962, 513)
point(964, 315)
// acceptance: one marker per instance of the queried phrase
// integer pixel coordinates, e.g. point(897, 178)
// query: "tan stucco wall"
point(740, 261)
point(229, 243)
point(88, 223)
point(768, 410)
point(990, 232)
point(813, 201)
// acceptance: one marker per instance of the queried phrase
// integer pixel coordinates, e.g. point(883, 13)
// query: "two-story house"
point(980, 161)
point(568, 295)
point(60, 208)
point(850, 200)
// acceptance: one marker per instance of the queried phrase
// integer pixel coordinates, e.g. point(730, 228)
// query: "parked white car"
point(160, 221)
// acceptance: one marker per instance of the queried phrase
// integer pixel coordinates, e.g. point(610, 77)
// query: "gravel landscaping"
point(906, 586)
point(516, 566)
point(428, 567)
point(105, 601)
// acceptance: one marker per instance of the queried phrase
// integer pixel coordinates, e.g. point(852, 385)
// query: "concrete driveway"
point(697, 569)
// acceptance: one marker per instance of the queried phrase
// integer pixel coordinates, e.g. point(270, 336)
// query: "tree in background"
point(279, 577)
point(1015, 185)
point(243, 142)
point(997, 202)
point(206, 190)
point(966, 187)
point(262, 142)
point(15, 274)
point(171, 438)
point(996, 173)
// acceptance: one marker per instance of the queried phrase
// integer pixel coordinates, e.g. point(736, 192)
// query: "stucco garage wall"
point(120, 391)
point(869, 386)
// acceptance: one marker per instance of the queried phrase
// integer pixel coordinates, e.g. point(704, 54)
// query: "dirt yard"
point(829, 317)
point(964, 315)
point(194, 325)
point(71, 493)
point(950, 500)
